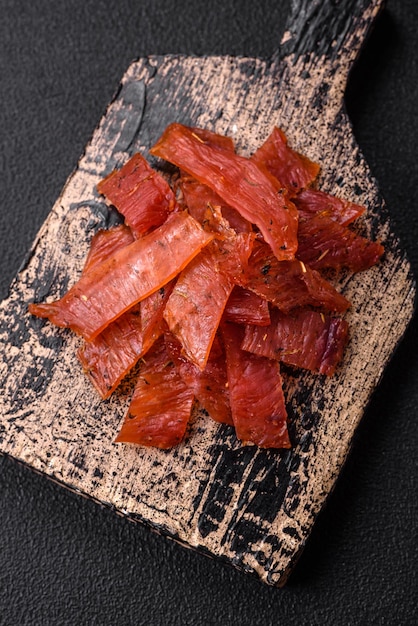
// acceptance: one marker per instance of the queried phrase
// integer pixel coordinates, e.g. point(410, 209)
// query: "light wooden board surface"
point(252, 508)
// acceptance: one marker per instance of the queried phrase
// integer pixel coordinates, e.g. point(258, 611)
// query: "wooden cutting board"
point(251, 508)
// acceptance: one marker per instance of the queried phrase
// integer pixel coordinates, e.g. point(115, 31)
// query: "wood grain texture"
point(252, 508)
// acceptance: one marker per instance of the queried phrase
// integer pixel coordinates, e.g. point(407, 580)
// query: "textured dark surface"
point(62, 556)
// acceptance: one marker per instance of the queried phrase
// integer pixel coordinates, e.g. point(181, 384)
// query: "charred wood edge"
point(157, 529)
point(410, 296)
point(323, 27)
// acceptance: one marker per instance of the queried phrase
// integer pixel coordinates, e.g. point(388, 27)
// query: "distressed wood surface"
point(252, 508)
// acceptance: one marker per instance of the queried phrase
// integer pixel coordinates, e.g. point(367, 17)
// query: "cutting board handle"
point(331, 29)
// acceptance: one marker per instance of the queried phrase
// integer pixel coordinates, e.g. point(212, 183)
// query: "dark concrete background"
point(65, 560)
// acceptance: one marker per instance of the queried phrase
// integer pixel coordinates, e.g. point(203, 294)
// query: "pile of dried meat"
point(211, 283)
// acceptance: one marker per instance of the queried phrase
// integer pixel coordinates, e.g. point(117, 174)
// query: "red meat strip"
point(313, 201)
point(256, 394)
point(325, 243)
point(305, 339)
point(161, 405)
point(140, 194)
point(195, 307)
point(292, 169)
point(289, 284)
point(240, 182)
point(115, 351)
point(246, 307)
point(127, 277)
point(210, 387)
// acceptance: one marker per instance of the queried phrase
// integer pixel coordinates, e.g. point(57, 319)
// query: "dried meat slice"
point(240, 182)
point(289, 284)
point(109, 356)
point(209, 386)
point(201, 202)
point(246, 307)
point(294, 170)
point(325, 243)
point(140, 194)
point(105, 243)
point(161, 404)
point(129, 276)
point(114, 352)
point(209, 137)
point(304, 338)
point(152, 310)
point(256, 394)
point(313, 202)
point(195, 307)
